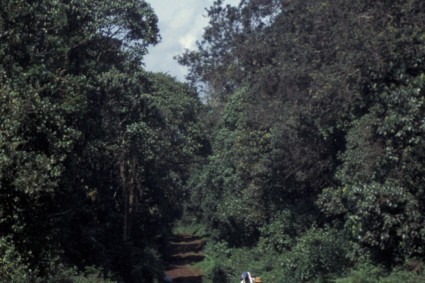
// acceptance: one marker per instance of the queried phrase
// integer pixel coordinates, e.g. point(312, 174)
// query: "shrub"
point(364, 273)
point(369, 273)
point(279, 235)
point(12, 265)
point(14, 269)
point(318, 255)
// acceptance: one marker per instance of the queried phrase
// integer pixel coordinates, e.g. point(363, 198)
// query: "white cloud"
point(179, 20)
point(181, 24)
point(188, 41)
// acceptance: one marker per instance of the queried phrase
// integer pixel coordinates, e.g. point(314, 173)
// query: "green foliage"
point(281, 233)
point(380, 168)
point(316, 120)
point(317, 256)
point(12, 266)
point(403, 276)
point(367, 272)
point(364, 273)
point(191, 228)
point(94, 151)
point(14, 269)
point(384, 218)
point(226, 264)
point(212, 265)
point(228, 189)
point(57, 272)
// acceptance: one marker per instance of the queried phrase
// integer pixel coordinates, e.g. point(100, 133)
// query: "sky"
point(181, 24)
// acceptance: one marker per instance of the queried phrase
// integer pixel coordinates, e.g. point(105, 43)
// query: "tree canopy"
point(317, 114)
point(94, 150)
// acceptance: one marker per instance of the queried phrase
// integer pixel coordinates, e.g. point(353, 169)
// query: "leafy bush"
point(12, 266)
point(280, 234)
point(403, 276)
point(384, 219)
point(190, 227)
point(369, 273)
point(64, 274)
point(364, 273)
point(318, 255)
point(215, 261)
point(14, 269)
point(225, 264)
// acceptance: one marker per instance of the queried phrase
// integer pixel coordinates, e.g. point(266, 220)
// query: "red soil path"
point(185, 250)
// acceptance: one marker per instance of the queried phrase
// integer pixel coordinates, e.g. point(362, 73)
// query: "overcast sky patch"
point(181, 24)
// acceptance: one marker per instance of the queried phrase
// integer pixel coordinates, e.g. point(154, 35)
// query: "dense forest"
point(297, 144)
point(94, 150)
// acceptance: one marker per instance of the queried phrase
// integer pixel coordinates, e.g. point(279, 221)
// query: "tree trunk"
point(123, 173)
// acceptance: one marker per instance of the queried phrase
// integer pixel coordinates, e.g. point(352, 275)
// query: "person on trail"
point(246, 277)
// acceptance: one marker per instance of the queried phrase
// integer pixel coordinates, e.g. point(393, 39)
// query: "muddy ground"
point(185, 250)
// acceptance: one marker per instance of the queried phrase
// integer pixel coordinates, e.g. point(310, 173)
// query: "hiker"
point(246, 277)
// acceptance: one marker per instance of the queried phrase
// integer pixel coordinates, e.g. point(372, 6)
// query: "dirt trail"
point(185, 250)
